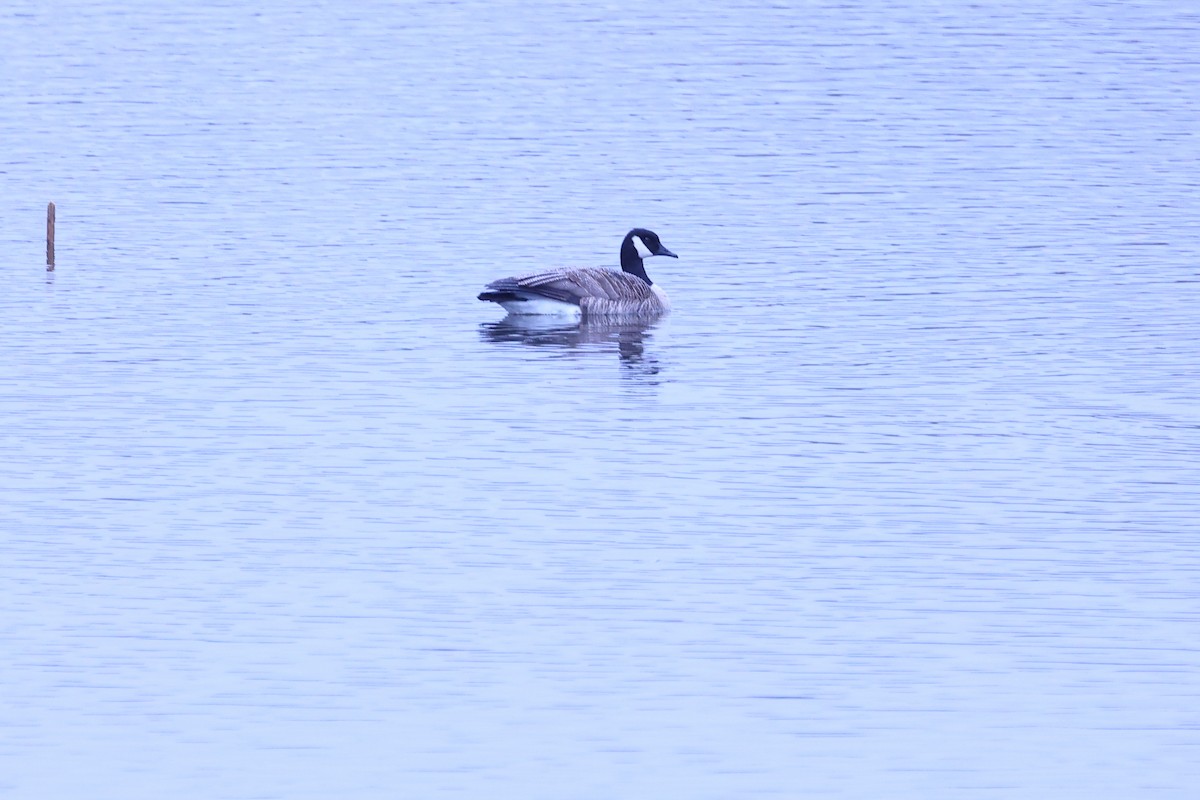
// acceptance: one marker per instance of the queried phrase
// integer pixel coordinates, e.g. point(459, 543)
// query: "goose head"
point(641, 244)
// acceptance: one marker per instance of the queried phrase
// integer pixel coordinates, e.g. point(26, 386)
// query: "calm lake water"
point(902, 501)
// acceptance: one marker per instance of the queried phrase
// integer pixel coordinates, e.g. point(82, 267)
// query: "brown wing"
point(578, 286)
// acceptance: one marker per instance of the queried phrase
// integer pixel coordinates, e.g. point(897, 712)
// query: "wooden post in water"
point(50, 238)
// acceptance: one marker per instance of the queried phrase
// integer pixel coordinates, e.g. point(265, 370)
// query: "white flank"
point(541, 307)
point(661, 296)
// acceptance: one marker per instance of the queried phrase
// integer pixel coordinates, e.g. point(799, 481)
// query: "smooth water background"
point(902, 501)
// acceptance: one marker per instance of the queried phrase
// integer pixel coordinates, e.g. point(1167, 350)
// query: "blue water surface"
point(902, 501)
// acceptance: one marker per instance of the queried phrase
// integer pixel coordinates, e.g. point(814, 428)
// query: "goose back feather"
point(595, 291)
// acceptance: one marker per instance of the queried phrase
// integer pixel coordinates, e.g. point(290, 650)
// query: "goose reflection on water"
point(629, 338)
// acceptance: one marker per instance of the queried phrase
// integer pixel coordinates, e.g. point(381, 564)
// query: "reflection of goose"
point(630, 337)
point(591, 291)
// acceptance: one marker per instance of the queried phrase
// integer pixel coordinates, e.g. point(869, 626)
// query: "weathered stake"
point(50, 238)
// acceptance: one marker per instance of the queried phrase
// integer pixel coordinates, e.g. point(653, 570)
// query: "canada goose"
point(589, 291)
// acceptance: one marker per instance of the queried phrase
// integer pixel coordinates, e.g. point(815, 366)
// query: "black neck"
point(631, 262)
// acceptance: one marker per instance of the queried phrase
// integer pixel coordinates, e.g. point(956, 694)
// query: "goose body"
point(589, 291)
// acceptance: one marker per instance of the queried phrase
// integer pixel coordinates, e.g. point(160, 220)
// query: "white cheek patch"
point(642, 250)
